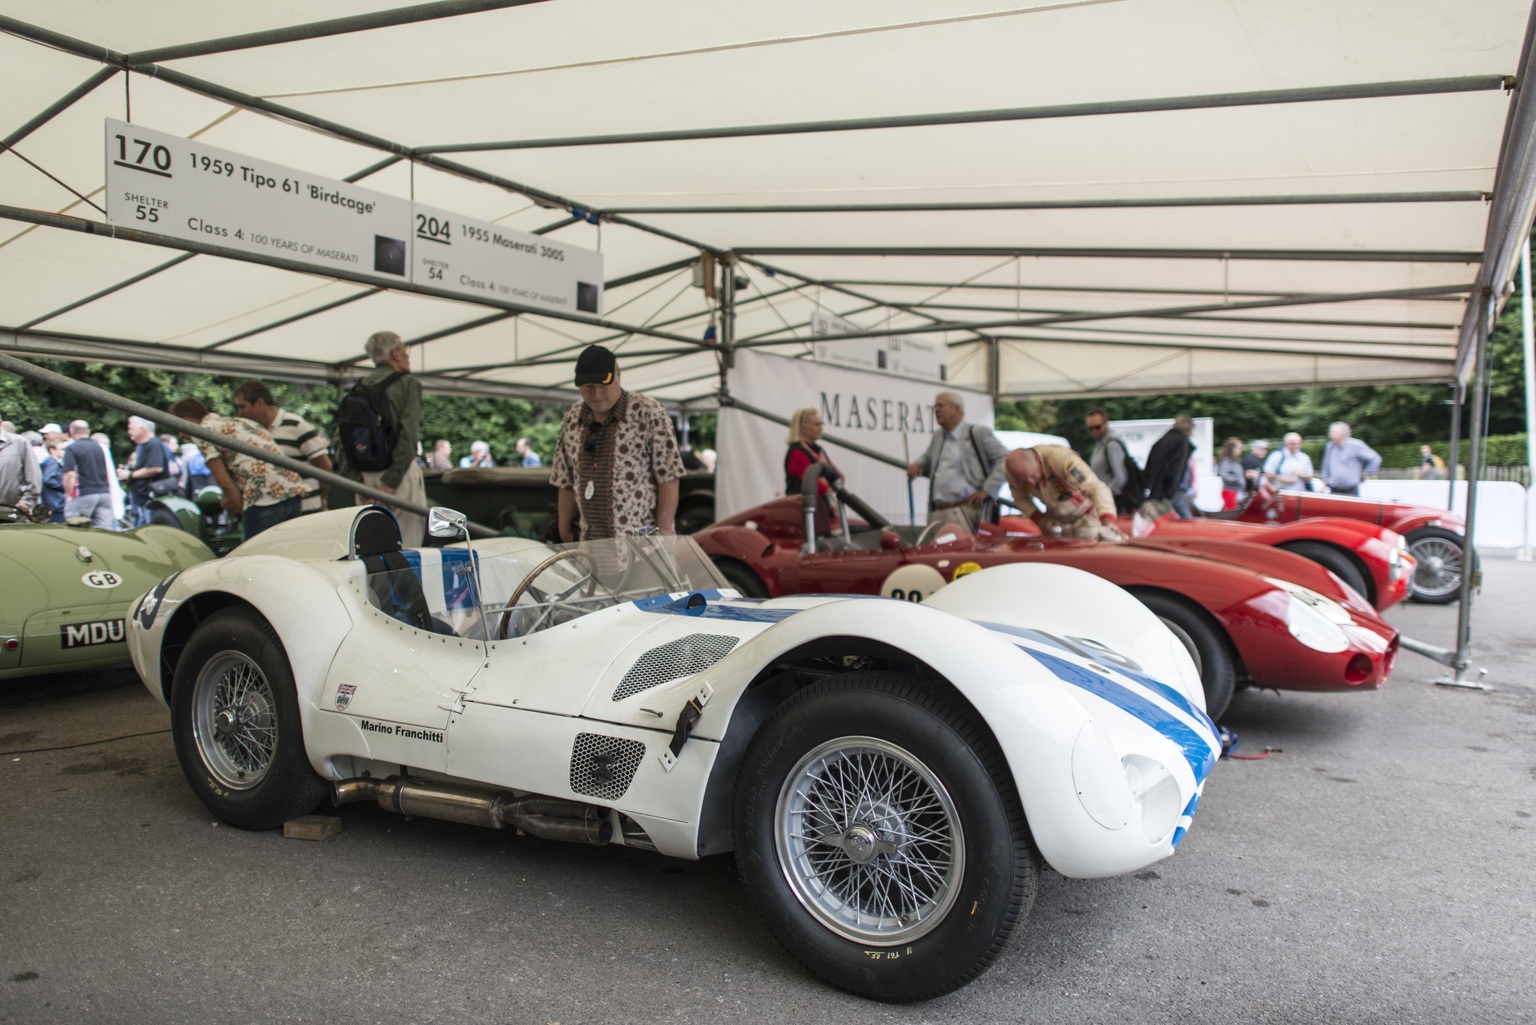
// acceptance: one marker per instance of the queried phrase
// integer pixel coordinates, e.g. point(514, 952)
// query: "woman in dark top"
point(805, 449)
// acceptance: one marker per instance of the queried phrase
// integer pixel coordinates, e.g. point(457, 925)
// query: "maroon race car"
point(1251, 615)
point(1436, 537)
point(1373, 560)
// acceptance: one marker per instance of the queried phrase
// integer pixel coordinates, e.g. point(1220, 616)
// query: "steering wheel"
point(590, 579)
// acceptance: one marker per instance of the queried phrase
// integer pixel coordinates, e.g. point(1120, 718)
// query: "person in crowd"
point(262, 493)
point(21, 482)
point(479, 456)
point(7, 427)
point(295, 436)
point(615, 461)
point(442, 455)
point(1077, 503)
point(964, 461)
point(196, 469)
point(52, 472)
point(1289, 469)
point(707, 458)
point(86, 473)
point(804, 449)
point(114, 486)
point(1108, 459)
point(1168, 465)
point(1253, 463)
point(1431, 466)
point(1347, 460)
point(1189, 488)
point(526, 453)
point(147, 466)
point(1234, 477)
point(173, 463)
point(402, 478)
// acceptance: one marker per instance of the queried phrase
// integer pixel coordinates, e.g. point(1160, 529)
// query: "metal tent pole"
point(1530, 396)
point(1315, 94)
point(1461, 664)
point(164, 420)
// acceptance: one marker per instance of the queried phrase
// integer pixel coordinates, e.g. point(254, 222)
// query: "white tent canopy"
point(1101, 197)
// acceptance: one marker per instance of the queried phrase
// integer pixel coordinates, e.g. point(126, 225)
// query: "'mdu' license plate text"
point(80, 635)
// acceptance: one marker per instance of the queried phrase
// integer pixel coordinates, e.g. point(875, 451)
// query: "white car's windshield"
point(527, 587)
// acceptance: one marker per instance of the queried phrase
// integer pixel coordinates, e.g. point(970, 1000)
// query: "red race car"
point(1436, 537)
point(1373, 560)
point(1271, 619)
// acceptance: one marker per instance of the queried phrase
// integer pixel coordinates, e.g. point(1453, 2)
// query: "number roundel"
point(912, 583)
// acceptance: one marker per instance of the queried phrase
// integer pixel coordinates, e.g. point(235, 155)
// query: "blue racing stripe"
point(1171, 694)
point(1197, 749)
point(666, 605)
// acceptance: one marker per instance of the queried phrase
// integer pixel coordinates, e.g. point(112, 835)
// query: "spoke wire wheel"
point(234, 720)
point(869, 841)
point(1439, 567)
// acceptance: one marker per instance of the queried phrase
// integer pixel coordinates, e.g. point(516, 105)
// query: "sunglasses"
point(589, 444)
point(1096, 428)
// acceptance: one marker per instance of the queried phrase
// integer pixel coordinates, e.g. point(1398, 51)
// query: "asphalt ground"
point(1375, 867)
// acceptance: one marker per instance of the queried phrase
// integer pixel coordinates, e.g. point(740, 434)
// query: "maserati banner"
point(878, 411)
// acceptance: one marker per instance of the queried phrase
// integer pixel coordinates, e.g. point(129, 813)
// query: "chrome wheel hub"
point(234, 720)
point(869, 841)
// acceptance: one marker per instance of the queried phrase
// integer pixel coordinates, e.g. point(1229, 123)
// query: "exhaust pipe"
point(547, 817)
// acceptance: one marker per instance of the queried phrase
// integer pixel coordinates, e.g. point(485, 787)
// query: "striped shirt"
point(299, 439)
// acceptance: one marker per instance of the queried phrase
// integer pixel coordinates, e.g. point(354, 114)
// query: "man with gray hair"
point(1347, 461)
point(20, 480)
point(402, 400)
point(146, 466)
point(964, 461)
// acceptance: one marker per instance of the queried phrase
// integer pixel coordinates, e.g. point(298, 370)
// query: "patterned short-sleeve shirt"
point(615, 466)
point(260, 482)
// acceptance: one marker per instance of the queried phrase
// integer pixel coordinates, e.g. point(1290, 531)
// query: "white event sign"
point(187, 190)
point(484, 260)
point(894, 354)
point(877, 411)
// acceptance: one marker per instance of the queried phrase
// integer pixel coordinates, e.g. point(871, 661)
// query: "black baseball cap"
point(595, 365)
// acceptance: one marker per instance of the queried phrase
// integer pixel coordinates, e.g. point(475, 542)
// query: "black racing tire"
point(739, 576)
point(1207, 645)
point(1441, 558)
point(160, 516)
point(1336, 562)
point(694, 517)
point(235, 723)
point(881, 838)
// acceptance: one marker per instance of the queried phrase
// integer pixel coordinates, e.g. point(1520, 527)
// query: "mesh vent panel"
point(603, 767)
point(682, 657)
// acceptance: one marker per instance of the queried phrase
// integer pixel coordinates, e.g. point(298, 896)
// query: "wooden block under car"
point(311, 827)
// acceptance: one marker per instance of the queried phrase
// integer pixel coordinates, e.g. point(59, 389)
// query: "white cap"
point(48, 429)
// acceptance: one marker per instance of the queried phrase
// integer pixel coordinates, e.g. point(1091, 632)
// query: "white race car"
point(889, 774)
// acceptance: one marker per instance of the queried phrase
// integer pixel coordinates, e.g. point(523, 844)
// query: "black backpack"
point(365, 434)
point(1135, 491)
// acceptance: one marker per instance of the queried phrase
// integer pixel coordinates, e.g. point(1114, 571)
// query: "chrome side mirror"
point(445, 522)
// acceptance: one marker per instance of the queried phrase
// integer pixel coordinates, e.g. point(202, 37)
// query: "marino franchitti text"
point(400, 730)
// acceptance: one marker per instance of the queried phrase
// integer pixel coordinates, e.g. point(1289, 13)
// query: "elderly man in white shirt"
point(964, 462)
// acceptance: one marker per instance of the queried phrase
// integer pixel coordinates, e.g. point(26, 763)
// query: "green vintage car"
point(68, 590)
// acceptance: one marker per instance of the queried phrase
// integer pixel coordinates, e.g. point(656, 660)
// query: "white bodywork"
point(1095, 707)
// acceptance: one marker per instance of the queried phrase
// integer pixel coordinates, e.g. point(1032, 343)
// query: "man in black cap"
point(616, 461)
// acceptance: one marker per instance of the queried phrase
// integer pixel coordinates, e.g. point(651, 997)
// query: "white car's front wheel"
point(881, 838)
point(235, 723)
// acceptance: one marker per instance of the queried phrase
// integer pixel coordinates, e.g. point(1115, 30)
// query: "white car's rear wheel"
point(881, 838)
